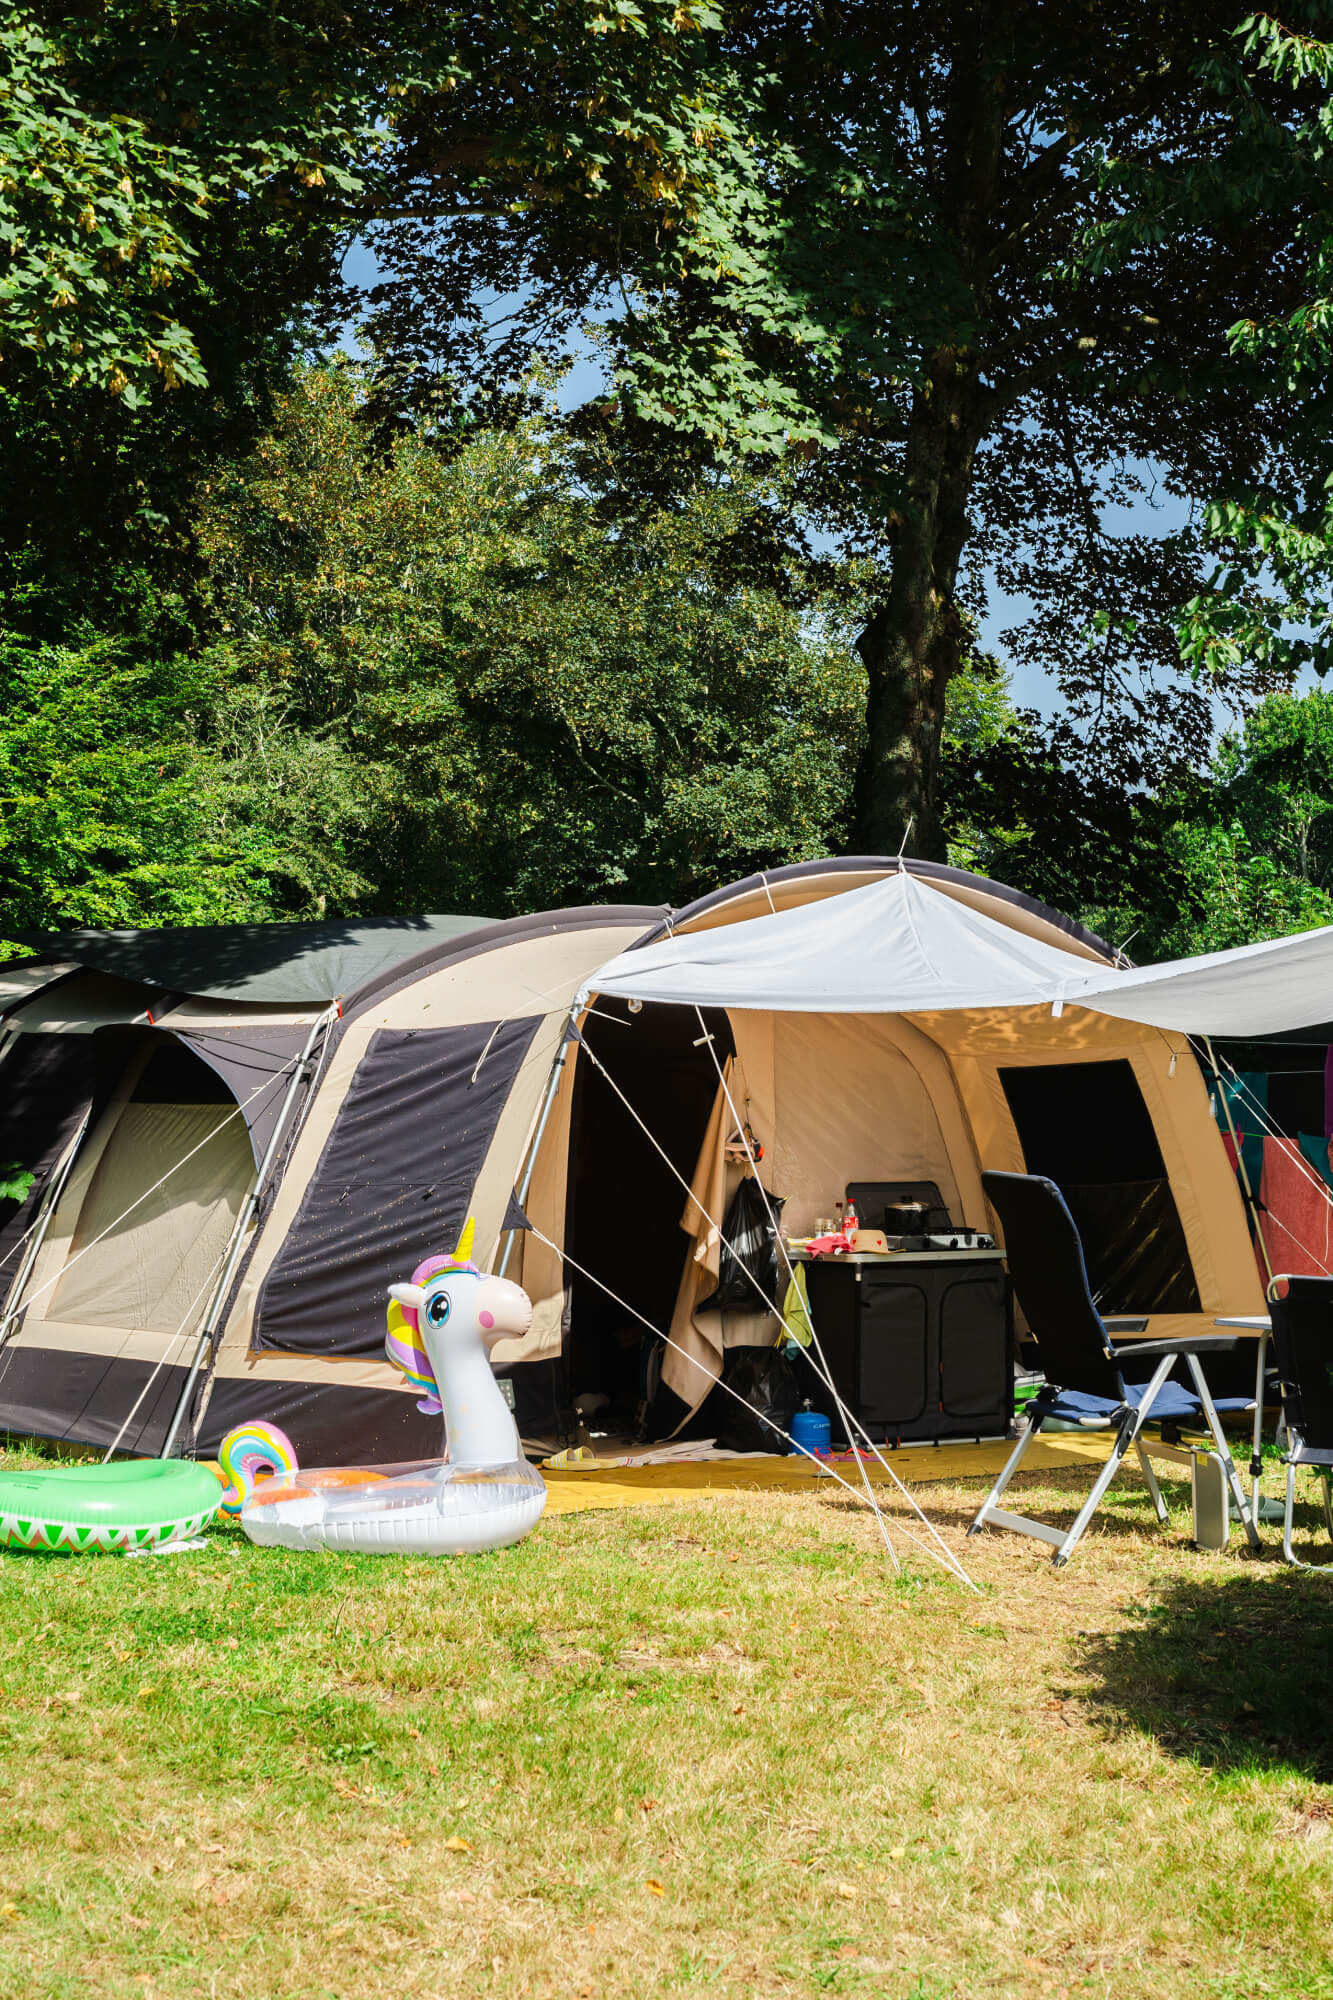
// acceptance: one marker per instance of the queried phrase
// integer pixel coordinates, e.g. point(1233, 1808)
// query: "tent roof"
point(896, 946)
point(289, 964)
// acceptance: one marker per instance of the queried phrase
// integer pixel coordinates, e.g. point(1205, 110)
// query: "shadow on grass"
point(1234, 1671)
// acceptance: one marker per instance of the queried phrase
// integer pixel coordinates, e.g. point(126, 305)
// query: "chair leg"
point(1151, 1477)
point(1223, 1451)
point(1125, 1436)
point(1326, 1482)
point(1287, 1549)
point(1012, 1463)
point(1131, 1425)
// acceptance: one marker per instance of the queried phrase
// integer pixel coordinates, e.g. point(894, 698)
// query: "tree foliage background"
point(898, 305)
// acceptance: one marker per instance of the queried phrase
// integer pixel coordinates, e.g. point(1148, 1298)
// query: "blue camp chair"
point(1302, 1310)
point(1084, 1383)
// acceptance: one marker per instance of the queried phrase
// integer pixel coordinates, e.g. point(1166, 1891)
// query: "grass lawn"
point(712, 1747)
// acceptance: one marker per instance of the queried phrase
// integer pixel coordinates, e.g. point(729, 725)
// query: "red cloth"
point(836, 1245)
point(1296, 1213)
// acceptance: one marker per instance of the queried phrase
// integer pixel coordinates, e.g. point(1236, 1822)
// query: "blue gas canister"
point(810, 1430)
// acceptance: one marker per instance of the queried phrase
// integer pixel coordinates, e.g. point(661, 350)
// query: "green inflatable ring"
point(137, 1504)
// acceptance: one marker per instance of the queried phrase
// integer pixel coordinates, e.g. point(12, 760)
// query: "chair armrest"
point(1193, 1343)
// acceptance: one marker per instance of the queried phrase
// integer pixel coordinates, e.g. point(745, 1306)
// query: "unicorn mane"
point(403, 1343)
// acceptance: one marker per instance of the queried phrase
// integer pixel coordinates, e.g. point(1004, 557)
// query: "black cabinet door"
point(974, 1353)
point(895, 1351)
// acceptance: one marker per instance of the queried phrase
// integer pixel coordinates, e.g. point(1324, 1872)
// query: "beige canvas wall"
point(832, 1098)
point(846, 1097)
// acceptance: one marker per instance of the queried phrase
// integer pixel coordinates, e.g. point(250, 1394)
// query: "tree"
point(178, 186)
point(940, 253)
point(549, 697)
point(1257, 861)
point(116, 813)
point(1270, 598)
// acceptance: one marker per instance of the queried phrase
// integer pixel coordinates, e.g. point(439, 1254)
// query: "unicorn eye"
point(437, 1308)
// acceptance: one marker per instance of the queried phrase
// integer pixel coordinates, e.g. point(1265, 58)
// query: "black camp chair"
point(1084, 1383)
point(1302, 1310)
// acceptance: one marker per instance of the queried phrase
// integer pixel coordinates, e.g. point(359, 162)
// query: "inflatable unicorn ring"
point(482, 1495)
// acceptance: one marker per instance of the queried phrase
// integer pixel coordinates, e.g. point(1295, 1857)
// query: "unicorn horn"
point(464, 1251)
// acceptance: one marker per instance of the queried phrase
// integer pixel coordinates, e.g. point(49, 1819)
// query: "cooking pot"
point(914, 1218)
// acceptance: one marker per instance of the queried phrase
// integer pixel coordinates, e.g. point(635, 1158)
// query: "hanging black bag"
point(748, 1268)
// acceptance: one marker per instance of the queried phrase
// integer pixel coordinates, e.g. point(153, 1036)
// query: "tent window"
point(46, 1084)
point(173, 1074)
point(1086, 1127)
point(162, 1202)
point(393, 1182)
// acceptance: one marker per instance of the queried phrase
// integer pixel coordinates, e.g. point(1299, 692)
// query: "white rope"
point(162, 1359)
point(767, 1302)
point(20, 1241)
point(820, 1367)
point(236, 1111)
point(848, 1416)
point(947, 1560)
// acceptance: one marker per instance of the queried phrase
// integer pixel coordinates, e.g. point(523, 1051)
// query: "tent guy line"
point(1297, 1159)
point(821, 1367)
point(854, 1426)
point(947, 1560)
point(161, 1363)
point(824, 1370)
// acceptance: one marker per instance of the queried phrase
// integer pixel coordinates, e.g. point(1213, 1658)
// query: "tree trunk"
point(913, 644)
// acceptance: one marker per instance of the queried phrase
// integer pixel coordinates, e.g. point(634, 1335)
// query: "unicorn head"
point(450, 1305)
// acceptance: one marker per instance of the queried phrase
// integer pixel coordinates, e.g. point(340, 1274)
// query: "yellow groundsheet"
point(573, 1489)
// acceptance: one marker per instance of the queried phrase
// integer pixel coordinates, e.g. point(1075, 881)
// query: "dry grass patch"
point(709, 1747)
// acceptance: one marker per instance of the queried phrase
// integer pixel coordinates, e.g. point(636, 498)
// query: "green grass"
point(711, 1748)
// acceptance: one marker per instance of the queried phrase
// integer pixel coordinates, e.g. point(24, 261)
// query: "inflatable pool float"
point(137, 1504)
point(483, 1495)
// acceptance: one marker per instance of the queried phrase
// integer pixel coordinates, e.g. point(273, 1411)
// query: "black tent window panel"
point(46, 1086)
point(393, 1183)
point(1086, 1127)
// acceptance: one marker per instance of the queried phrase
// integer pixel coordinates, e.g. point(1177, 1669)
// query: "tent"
point(242, 1136)
point(256, 1129)
point(921, 1028)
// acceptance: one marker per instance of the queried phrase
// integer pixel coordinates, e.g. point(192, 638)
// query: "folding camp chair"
point(1302, 1310)
point(1084, 1383)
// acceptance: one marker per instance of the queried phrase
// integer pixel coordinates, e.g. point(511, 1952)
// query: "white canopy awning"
point(1256, 989)
point(898, 946)
point(901, 946)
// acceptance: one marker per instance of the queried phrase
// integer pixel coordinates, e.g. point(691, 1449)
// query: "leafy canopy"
point(548, 697)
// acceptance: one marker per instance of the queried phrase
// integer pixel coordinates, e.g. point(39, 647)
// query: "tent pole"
point(243, 1221)
point(55, 1187)
point(1261, 1363)
point(530, 1165)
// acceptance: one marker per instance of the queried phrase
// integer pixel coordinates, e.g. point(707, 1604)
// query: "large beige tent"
point(262, 1129)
